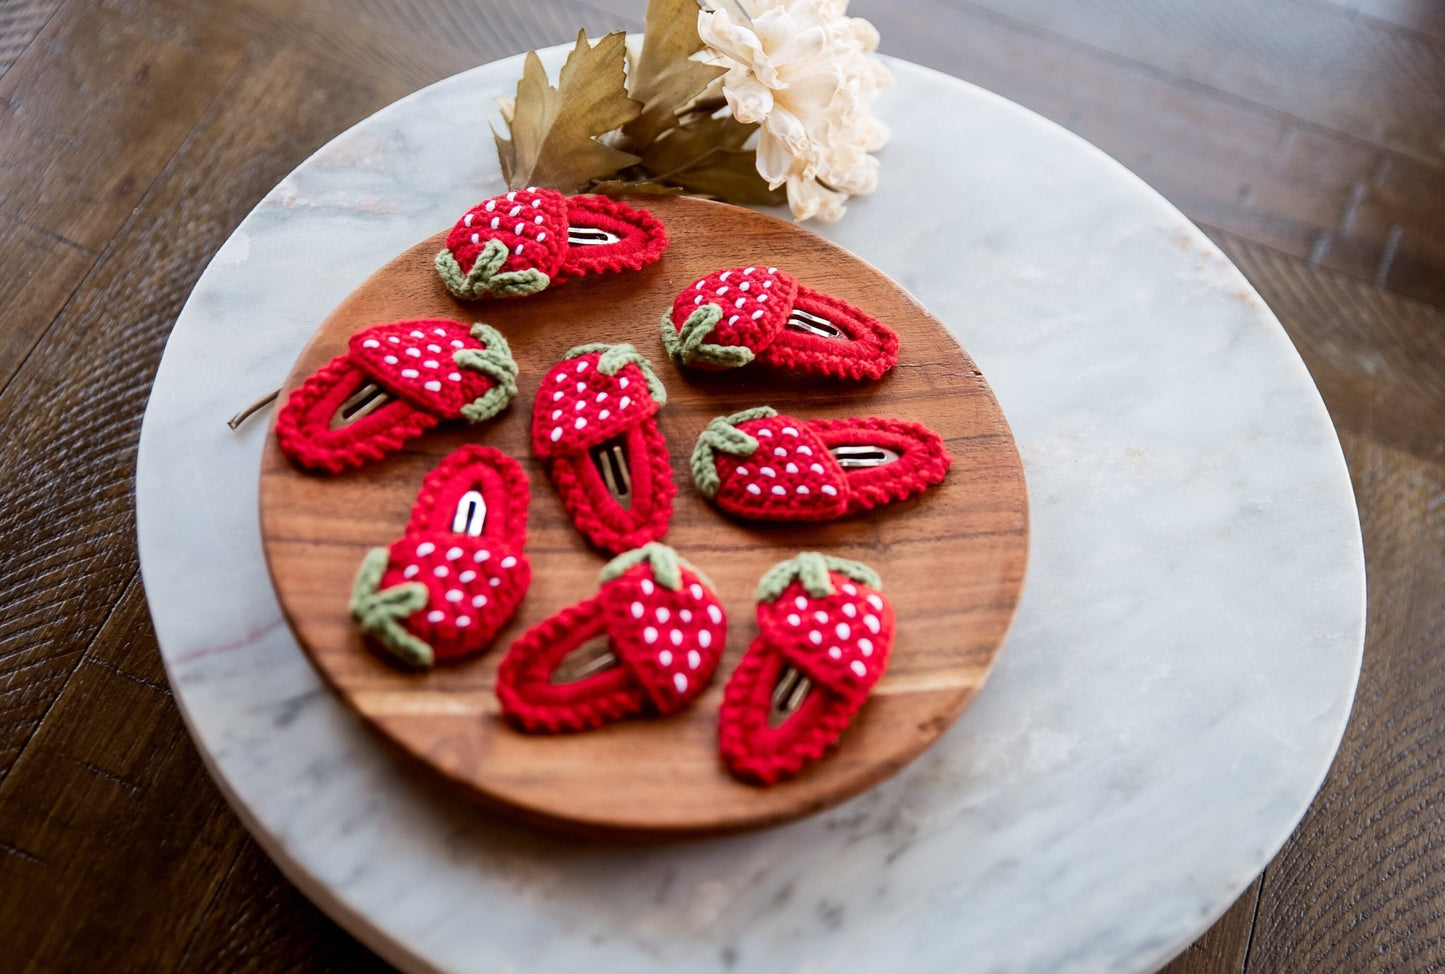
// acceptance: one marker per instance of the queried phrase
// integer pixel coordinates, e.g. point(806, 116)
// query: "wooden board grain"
point(952, 560)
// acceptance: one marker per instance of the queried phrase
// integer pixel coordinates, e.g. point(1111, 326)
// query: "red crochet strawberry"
point(762, 465)
point(443, 590)
point(523, 241)
point(824, 635)
point(648, 642)
point(395, 381)
point(731, 317)
point(595, 421)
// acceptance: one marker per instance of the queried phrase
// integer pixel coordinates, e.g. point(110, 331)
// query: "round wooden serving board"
point(952, 560)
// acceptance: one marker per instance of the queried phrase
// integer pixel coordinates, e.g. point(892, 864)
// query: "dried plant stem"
point(687, 165)
point(235, 421)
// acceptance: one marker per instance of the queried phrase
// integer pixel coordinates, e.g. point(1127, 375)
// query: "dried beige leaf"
point(554, 131)
point(663, 78)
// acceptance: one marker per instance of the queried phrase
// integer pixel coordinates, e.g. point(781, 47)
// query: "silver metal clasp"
point(610, 459)
point(589, 659)
point(590, 236)
point(788, 695)
point(813, 325)
point(471, 514)
point(854, 457)
point(364, 401)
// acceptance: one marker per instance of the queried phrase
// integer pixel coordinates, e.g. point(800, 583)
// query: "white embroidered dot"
point(679, 681)
point(779, 489)
point(410, 571)
point(520, 227)
point(481, 556)
point(478, 601)
point(414, 352)
point(637, 610)
point(491, 205)
point(676, 637)
point(581, 387)
point(696, 590)
point(557, 396)
point(820, 616)
point(391, 360)
point(757, 314)
point(582, 367)
point(704, 638)
point(514, 211)
point(433, 348)
point(432, 386)
point(622, 383)
point(476, 238)
point(453, 553)
point(662, 614)
point(561, 377)
point(834, 652)
point(458, 343)
point(875, 601)
point(371, 343)
point(467, 577)
point(512, 196)
point(417, 334)
point(624, 402)
point(780, 451)
point(556, 415)
point(517, 250)
point(424, 549)
point(604, 414)
point(495, 581)
point(744, 472)
point(715, 614)
point(767, 284)
point(843, 630)
point(816, 468)
point(467, 220)
point(463, 621)
point(772, 270)
point(665, 657)
point(849, 609)
point(454, 376)
point(430, 363)
point(740, 302)
point(509, 562)
point(815, 637)
point(697, 300)
point(764, 295)
point(538, 219)
point(744, 285)
point(754, 489)
point(767, 471)
point(601, 397)
point(724, 275)
point(722, 290)
point(791, 468)
point(794, 619)
point(496, 222)
point(765, 432)
point(801, 602)
point(857, 667)
point(733, 320)
point(649, 635)
point(435, 615)
point(440, 332)
point(579, 405)
point(556, 434)
point(647, 586)
point(541, 235)
point(581, 422)
point(830, 490)
point(455, 595)
point(866, 645)
point(850, 588)
point(694, 658)
point(805, 450)
point(872, 623)
point(749, 270)
point(685, 615)
point(536, 202)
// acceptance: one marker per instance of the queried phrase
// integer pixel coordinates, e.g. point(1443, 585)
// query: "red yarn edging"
point(870, 350)
point(923, 459)
point(303, 424)
point(597, 516)
point(643, 238)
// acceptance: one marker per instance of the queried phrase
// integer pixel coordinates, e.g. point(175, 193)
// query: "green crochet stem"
point(494, 361)
point(687, 345)
point(812, 568)
point(378, 612)
point(486, 279)
point(666, 564)
point(723, 436)
point(615, 357)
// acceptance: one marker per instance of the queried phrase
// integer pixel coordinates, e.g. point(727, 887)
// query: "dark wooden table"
point(1307, 137)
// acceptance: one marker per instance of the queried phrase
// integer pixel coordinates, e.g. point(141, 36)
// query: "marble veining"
point(1175, 685)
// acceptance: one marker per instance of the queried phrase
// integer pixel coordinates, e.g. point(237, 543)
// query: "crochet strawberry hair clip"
point(394, 382)
point(527, 240)
point(762, 465)
point(595, 422)
point(735, 316)
point(443, 590)
point(824, 635)
point(647, 642)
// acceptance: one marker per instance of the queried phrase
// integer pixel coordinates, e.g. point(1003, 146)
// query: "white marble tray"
point(1174, 688)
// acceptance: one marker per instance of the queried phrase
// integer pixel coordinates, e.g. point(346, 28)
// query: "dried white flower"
point(808, 73)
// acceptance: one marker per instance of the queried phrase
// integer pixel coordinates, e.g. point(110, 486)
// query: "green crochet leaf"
point(666, 564)
point(486, 279)
point(688, 346)
point(613, 358)
point(378, 612)
point(812, 568)
point(496, 362)
point(723, 436)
